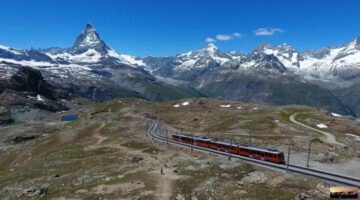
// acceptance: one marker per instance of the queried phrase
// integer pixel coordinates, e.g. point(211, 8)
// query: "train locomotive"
point(265, 154)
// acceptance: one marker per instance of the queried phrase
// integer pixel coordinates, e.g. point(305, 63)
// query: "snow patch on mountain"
point(200, 58)
point(132, 60)
point(30, 63)
point(328, 62)
point(287, 55)
point(11, 50)
point(89, 56)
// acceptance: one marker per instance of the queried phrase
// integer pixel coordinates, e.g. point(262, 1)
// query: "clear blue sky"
point(167, 27)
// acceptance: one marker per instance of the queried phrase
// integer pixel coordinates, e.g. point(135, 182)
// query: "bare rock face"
point(30, 80)
point(5, 116)
point(29, 88)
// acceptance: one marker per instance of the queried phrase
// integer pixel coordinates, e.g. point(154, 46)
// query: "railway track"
point(338, 179)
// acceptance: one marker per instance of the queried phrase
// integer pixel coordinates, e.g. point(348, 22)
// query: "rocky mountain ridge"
point(268, 74)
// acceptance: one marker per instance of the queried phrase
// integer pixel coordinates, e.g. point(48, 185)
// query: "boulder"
point(5, 116)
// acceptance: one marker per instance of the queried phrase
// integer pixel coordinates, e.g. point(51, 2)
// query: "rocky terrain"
point(5, 116)
point(106, 154)
point(26, 90)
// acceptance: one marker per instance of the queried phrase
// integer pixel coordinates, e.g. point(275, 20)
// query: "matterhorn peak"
point(357, 41)
point(212, 46)
point(262, 45)
point(89, 26)
point(88, 38)
point(210, 49)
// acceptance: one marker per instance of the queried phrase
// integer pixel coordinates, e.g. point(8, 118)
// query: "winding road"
point(329, 137)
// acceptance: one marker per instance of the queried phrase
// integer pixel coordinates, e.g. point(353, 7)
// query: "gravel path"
point(329, 137)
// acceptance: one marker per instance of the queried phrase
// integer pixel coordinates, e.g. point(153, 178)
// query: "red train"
point(270, 155)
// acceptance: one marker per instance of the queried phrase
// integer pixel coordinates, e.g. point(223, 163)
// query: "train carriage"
point(203, 142)
point(176, 137)
point(224, 146)
point(270, 155)
point(265, 154)
point(183, 138)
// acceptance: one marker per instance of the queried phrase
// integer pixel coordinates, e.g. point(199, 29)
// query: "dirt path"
point(97, 134)
point(165, 183)
point(329, 137)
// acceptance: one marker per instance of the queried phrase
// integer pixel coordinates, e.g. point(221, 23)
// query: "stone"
point(5, 116)
point(44, 192)
point(137, 159)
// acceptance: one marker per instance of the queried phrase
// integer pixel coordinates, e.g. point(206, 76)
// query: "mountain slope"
point(270, 74)
point(91, 69)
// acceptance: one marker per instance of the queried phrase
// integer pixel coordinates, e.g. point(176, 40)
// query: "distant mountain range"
point(326, 78)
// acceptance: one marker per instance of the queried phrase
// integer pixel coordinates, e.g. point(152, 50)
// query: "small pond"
point(69, 118)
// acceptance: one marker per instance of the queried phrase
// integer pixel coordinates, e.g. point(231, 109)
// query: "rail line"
point(324, 175)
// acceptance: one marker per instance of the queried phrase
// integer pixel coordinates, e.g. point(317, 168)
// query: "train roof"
point(205, 138)
point(226, 143)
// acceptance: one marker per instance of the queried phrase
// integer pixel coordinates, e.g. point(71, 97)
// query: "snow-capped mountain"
point(89, 68)
point(200, 59)
point(87, 53)
point(90, 49)
point(273, 74)
point(89, 38)
point(331, 65)
point(341, 63)
point(285, 54)
point(259, 75)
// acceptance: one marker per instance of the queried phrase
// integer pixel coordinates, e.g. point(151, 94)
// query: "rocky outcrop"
point(5, 116)
point(29, 88)
point(30, 80)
